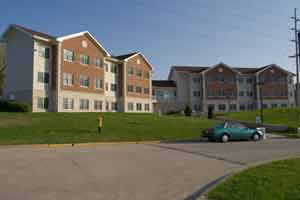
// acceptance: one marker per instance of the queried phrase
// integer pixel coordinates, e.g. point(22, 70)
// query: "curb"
point(91, 144)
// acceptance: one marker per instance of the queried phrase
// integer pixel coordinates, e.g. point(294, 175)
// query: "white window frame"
point(84, 59)
point(98, 84)
point(68, 55)
point(98, 105)
point(84, 104)
point(68, 103)
point(84, 81)
point(68, 79)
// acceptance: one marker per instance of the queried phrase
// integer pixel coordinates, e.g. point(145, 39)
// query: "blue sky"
point(170, 32)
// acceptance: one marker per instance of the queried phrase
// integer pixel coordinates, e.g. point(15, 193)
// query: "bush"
point(210, 113)
point(14, 106)
point(188, 111)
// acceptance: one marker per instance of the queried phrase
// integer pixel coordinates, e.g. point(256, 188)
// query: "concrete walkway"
point(129, 171)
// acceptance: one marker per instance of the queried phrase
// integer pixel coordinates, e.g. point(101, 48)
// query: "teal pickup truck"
point(226, 131)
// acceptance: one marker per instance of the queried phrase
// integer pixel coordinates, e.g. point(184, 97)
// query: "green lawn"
point(279, 180)
point(46, 128)
point(278, 116)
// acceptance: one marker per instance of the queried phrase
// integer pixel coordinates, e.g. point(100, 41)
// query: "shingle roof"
point(32, 32)
point(163, 83)
point(193, 69)
point(124, 56)
point(198, 69)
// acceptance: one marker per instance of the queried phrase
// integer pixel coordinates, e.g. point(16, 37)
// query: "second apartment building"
point(74, 73)
point(224, 88)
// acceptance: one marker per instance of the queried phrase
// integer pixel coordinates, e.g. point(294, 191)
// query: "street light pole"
point(260, 84)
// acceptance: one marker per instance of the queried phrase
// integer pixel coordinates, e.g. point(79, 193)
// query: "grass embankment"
point(280, 116)
point(279, 180)
point(49, 128)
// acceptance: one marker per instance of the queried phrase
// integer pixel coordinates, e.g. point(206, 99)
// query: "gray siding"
point(19, 70)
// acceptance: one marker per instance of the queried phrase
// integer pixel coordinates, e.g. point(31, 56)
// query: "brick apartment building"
point(74, 73)
point(224, 88)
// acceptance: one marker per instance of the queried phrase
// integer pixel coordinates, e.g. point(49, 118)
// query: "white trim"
point(274, 65)
point(60, 39)
point(139, 53)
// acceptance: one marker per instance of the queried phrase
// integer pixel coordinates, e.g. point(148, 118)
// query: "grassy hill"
point(46, 128)
point(280, 116)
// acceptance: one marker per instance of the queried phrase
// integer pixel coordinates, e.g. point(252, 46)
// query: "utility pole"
point(297, 55)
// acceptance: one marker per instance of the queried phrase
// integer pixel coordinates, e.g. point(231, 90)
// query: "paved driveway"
point(136, 171)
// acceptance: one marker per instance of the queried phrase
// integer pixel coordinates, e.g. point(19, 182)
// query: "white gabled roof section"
point(139, 53)
point(60, 39)
point(276, 66)
point(221, 64)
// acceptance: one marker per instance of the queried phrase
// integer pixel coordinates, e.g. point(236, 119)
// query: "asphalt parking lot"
point(129, 171)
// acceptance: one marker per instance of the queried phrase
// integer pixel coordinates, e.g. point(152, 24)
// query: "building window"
point(222, 107)
point(146, 75)
point(249, 80)
point(139, 72)
point(114, 68)
point(221, 92)
point(273, 105)
point(98, 62)
point(98, 84)
point(130, 88)
point(196, 80)
point(139, 107)
point(130, 106)
point(98, 105)
point(147, 107)
point(106, 67)
point(42, 103)
point(107, 106)
point(114, 106)
point(68, 103)
point(241, 80)
point(130, 71)
point(283, 105)
point(232, 107)
point(106, 86)
point(44, 52)
point(68, 55)
point(113, 87)
point(210, 92)
point(241, 93)
point(197, 107)
point(68, 79)
point(196, 93)
point(43, 77)
point(84, 81)
point(138, 89)
point(146, 91)
point(242, 107)
point(84, 59)
point(265, 106)
point(84, 104)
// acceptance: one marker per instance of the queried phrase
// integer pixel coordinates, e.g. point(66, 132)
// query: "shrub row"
point(14, 106)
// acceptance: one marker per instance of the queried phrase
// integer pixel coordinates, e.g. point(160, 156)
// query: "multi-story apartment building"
point(226, 88)
point(74, 73)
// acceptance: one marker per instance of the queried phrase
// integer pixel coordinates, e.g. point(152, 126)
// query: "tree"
point(2, 67)
point(210, 113)
point(188, 111)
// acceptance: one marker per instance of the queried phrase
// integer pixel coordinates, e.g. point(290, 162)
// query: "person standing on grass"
point(100, 123)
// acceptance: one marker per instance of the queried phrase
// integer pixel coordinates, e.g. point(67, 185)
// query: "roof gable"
point(29, 32)
point(67, 37)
